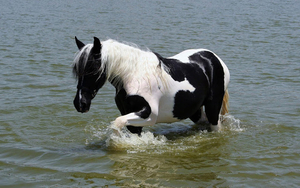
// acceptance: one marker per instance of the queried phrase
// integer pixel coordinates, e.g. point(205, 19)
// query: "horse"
point(152, 89)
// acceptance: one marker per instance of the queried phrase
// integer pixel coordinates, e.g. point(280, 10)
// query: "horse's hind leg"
point(212, 110)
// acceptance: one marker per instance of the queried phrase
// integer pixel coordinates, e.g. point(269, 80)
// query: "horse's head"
point(89, 72)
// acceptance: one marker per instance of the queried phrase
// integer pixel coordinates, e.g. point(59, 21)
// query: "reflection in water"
point(183, 162)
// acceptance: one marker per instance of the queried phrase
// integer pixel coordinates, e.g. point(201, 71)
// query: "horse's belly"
point(166, 117)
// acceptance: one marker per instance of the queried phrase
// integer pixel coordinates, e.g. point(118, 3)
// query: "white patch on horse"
point(81, 83)
point(184, 56)
point(181, 86)
point(80, 95)
point(226, 73)
point(166, 102)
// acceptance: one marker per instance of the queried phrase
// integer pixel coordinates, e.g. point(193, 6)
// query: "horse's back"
point(184, 55)
point(204, 57)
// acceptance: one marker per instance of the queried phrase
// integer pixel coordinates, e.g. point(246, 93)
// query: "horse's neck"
point(118, 52)
point(124, 63)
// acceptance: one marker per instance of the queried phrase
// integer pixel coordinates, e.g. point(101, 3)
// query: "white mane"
point(125, 63)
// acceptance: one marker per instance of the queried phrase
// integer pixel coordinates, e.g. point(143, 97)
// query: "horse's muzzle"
point(82, 105)
point(83, 108)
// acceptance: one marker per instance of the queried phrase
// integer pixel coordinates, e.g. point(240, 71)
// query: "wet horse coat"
point(152, 89)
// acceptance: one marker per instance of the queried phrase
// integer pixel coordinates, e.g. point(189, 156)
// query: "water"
point(45, 143)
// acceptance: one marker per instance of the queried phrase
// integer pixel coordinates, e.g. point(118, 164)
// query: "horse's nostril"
point(84, 105)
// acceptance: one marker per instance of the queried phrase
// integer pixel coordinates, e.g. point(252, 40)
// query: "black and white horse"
point(150, 88)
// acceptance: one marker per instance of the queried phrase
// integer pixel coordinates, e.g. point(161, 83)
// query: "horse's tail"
point(225, 104)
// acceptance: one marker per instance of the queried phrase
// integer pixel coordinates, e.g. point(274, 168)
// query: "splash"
point(231, 123)
point(162, 138)
point(106, 137)
point(124, 140)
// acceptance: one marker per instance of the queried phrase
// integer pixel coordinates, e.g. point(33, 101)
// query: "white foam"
point(125, 140)
point(232, 123)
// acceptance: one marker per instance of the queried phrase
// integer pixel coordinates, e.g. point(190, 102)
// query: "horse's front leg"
point(136, 112)
point(134, 119)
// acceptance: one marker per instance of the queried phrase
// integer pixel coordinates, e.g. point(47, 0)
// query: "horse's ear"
point(97, 46)
point(80, 44)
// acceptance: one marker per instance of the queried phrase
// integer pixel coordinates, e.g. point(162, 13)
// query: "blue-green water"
point(44, 142)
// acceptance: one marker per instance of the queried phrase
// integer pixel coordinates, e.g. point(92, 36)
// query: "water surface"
point(46, 143)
